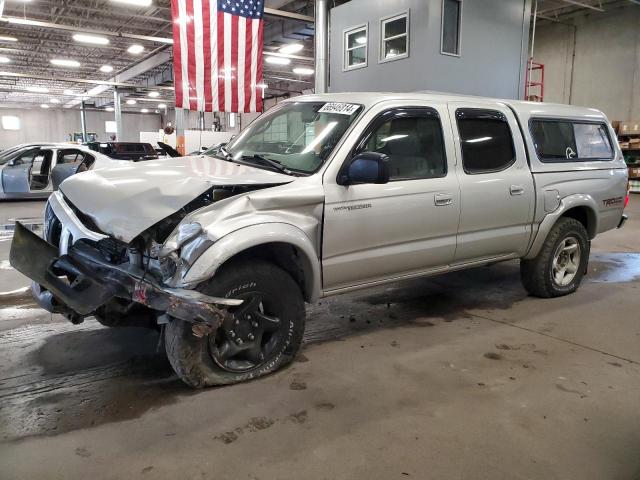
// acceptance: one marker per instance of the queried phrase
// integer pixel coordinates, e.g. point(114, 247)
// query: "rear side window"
point(486, 140)
point(567, 141)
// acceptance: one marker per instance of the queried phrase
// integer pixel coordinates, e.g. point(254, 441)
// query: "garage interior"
point(461, 375)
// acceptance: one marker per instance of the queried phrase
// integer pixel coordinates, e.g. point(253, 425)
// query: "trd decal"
point(352, 207)
point(610, 202)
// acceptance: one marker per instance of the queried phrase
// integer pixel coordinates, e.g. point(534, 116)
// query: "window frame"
point(485, 111)
point(442, 52)
point(383, 21)
point(390, 114)
point(572, 121)
point(345, 47)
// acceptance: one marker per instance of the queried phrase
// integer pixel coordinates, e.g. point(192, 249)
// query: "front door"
point(496, 185)
point(16, 175)
point(376, 232)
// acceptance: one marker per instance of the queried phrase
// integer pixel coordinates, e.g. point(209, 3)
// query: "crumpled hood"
point(124, 201)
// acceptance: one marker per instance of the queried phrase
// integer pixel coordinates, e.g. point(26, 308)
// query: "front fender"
point(242, 239)
point(566, 204)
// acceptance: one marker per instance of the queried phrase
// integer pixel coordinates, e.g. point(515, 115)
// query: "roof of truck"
point(522, 107)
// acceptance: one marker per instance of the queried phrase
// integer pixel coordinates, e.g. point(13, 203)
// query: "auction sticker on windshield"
point(341, 108)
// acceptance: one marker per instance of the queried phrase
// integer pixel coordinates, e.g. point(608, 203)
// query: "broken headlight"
point(180, 250)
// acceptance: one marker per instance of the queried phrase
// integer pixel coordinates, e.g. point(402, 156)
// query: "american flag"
point(217, 54)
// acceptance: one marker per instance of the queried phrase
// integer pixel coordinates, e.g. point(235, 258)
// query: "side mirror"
point(366, 167)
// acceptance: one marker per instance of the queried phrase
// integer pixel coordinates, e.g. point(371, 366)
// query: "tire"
point(542, 277)
point(267, 328)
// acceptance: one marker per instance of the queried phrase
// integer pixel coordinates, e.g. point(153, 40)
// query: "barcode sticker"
point(340, 108)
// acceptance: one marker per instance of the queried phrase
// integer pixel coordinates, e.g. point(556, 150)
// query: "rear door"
point(496, 185)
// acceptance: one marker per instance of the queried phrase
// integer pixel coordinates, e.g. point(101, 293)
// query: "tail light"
point(626, 199)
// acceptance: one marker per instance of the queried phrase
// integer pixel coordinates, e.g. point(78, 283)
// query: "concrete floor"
point(460, 376)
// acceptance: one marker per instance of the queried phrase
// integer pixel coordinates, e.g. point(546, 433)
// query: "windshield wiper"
point(268, 161)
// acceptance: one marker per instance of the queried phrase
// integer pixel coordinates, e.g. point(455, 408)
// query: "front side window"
point(413, 141)
point(394, 36)
point(451, 26)
point(568, 141)
point(298, 136)
point(355, 47)
point(486, 140)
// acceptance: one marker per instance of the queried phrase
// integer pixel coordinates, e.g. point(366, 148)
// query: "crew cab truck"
point(321, 195)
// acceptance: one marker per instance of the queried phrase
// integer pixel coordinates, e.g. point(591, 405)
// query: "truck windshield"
point(298, 136)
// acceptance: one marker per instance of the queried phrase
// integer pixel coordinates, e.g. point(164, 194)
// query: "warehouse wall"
point(494, 37)
point(605, 72)
point(54, 125)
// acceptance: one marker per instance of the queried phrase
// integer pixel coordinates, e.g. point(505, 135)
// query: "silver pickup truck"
point(322, 195)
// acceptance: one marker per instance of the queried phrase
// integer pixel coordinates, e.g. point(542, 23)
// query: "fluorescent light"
point(4, 38)
point(37, 89)
point(154, 94)
point(68, 92)
point(4, 60)
point(131, 101)
point(162, 105)
point(54, 100)
point(277, 60)
point(106, 68)
point(291, 48)
point(264, 86)
point(23, 21)
point(135, 49)
point(44, 105)
point(64, 62)
point(145, 110)
point(109, 109)
point(93, 39)
point(136, 3)
point(303, 71)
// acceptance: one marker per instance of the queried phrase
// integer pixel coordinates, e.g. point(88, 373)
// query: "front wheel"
point(559, 267)
point(261, 336)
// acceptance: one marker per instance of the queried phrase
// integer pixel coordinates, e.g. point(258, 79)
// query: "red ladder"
point(532, 85)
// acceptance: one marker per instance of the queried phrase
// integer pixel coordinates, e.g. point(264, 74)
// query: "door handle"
point(516, 190)
point(442, 199)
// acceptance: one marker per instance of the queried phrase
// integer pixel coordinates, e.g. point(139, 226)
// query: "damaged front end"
point(79, 272)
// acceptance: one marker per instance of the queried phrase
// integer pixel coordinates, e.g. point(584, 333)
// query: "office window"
point(451, 25)
point(486, 141)
point(110, 126)
point(412, 138)
point(566, 141)
point(394, 37)
point(355, 47)
point(10, 122)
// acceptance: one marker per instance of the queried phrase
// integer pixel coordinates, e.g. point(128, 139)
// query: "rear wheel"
point(262, 335)
point(559, 267)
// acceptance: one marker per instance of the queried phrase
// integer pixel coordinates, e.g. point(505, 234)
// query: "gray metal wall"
point(53, 125)
point(493, 53)
point(605, 72)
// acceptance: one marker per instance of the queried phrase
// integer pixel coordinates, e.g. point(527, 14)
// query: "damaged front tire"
point(261, 336)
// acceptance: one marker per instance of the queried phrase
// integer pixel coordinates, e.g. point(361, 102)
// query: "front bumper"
point(80, 281)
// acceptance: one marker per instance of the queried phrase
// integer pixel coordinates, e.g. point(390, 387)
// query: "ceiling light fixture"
point(23, 21)
point(162, 105)
point(54, 100)
point(68, 92)
point(37, 89)
point(131, 101)
point(264, 86)
point(154, 94)
point(291, 48)
point(277, 60)
point(303, 71)
point(92, 39)
point(106, 68)
point(44, 105)
point(135, 49)
point(109, 109)
point(4, 38)
point(4, 60)
point(135, 3)
point(145, 110)
point(64, 62)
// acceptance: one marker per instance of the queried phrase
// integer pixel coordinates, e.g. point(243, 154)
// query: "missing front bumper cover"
point(78, 283)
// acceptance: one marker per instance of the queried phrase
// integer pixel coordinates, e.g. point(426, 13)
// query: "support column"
point(83, 122)
point(182, 117)
point(321, 46)
point(117, 109)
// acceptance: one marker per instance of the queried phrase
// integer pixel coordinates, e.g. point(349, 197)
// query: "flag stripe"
point(177, 64)
point(191, 55)
point(198, 28)
point(206, 47)
point(248, 46)
point(221, 66)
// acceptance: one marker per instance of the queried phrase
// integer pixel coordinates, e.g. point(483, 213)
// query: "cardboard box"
point(629, 128)
point(634, 172)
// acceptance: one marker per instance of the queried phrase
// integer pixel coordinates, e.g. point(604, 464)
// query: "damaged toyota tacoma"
point(322, 195)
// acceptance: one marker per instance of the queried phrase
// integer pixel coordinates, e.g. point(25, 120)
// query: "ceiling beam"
point(107, 83)
point(584, 5)
point(288, 15)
